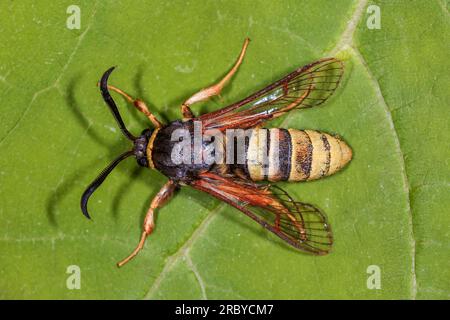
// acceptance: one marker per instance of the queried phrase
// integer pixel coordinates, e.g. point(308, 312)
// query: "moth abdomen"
point(293, 155)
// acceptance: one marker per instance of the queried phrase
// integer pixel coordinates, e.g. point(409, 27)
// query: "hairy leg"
point(163, 195)
point(139, 104)
point(215, 89)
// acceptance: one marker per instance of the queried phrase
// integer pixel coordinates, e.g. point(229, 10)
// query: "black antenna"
point(99, 180)
point(112, 105)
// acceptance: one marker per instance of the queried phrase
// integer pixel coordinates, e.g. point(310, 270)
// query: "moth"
point(229, 155)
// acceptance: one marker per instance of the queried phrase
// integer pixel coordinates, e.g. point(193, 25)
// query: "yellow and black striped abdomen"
point(293, 155)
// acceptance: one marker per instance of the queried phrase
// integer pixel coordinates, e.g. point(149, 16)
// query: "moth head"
point(140, 147)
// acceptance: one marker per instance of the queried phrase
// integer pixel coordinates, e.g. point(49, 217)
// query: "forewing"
point(306, 87)
point(301, 225)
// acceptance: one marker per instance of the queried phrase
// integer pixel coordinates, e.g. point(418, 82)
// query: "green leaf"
point(388, 208)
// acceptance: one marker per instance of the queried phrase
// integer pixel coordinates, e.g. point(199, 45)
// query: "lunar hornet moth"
point(242, 159)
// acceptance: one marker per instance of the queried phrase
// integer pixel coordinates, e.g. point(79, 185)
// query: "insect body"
point(243, 153)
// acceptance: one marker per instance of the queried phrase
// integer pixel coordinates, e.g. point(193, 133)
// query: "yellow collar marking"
point(150, 148)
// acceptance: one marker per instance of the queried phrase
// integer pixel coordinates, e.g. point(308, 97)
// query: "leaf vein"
point(183, 250)
point(194, 269)
point(406, 184)
point(55, 83)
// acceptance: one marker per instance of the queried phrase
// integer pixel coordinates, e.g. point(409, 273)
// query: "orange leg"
point(163, 195)
point(139, 104)
point(215, 89)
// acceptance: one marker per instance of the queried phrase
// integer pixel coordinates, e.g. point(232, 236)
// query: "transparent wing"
point(301, 225)
point(306, 87)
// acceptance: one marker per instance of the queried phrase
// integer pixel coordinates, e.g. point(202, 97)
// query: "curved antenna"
point(112, 105)
point(99, 180)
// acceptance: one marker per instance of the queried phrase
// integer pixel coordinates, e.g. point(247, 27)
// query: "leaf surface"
point(388, 208)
